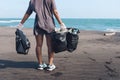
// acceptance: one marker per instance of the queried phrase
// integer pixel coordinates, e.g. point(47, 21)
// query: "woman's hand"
point(20, 26)
point(63, 27)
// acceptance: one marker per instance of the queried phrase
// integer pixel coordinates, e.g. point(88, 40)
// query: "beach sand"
point(97, 57)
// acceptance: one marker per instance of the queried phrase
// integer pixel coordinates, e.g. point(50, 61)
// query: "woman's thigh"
point(39, 40)
point(49, 42)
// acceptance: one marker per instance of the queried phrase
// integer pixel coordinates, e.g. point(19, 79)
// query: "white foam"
point(9, 21)
point(113, 30)
point(13, 26)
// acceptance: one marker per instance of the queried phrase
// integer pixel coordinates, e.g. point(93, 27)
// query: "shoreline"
point(96, 58)
point(58, 27)
point(68, 27)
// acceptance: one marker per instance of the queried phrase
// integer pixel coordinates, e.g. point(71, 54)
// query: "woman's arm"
point(57, 16)
point(26, 16)
point(20, 25)
point(62, 25)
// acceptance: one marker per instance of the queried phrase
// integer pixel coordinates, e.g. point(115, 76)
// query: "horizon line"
point(61, 18)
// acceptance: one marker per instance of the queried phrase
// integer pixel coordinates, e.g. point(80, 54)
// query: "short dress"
point(44, 21)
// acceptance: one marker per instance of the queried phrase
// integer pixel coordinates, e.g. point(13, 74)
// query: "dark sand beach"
point(97, 57)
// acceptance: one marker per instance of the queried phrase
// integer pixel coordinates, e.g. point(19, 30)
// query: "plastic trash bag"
point(72, 39)
point(22, 42)
point(59, 42)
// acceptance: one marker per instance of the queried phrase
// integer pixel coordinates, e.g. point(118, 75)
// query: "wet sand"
point(97, 57)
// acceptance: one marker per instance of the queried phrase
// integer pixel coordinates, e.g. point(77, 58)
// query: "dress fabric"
point(44, 15)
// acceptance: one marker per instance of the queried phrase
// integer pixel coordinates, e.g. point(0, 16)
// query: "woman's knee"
point(39, 41)
point(38, 45)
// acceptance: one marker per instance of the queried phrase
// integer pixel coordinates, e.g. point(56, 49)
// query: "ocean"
point(82, 24)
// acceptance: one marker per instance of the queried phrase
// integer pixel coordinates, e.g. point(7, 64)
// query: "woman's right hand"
point(20, 26)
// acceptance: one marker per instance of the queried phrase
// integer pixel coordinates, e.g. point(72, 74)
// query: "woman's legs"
point(50, 51)
point(39, 43)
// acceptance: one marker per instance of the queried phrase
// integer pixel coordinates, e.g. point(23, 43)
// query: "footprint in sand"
point(109, 62)
point(92, 59)
point(117, 57)
point(85, 52)
point(117, 52)
point(57, 74)
point(111, 71)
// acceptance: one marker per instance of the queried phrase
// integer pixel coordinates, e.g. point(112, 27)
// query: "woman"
point(43, 25)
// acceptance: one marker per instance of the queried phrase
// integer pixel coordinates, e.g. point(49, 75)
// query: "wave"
point(9, 21)
point(113, 29)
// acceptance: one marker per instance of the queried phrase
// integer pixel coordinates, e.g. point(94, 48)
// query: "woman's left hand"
point(63, 27)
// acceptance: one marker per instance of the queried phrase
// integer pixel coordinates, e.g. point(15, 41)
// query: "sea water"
point(82, 24)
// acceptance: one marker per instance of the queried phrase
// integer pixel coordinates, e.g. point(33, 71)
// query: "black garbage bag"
point(22, 42)
point(59, 42)
point(72, 39)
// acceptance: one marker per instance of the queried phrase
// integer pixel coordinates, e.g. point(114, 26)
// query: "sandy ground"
point(97, 57)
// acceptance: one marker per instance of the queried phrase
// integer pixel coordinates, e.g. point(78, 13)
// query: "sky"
point(66, 8)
